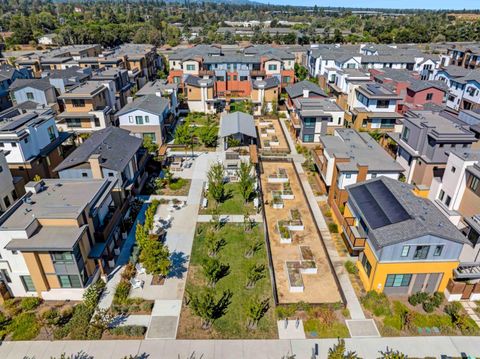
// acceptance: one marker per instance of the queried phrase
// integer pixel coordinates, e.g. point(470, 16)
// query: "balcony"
point(110, 222)
point(206, 73)
point(355, 240)
point(258, 73)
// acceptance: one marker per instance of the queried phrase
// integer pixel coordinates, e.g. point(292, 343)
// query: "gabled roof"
point(197, 81)
point(296, 89)
point(150, 103)
point(395, 215)
point(269, 82)
point(419, 85)
point(115, 147)
point(39, 84)
point(237, 122)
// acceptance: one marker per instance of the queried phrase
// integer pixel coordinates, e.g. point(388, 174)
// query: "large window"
point(366, 265)
point(51, 133)
point(398, 280)
point(272, 67)
point(139, 120)
point(151, 136)
point(421, 252)
point(64, 257)
point(307, 138)
point(69, 281)
point(78, 103)
point(309, 122)
point(438, 251)
point(405, 251)
point(190, 67)
point(27, 283)
point(474, 182)
point(383, 103)
point(74, 122)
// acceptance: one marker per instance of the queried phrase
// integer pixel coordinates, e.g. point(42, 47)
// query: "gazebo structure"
point(238, 126)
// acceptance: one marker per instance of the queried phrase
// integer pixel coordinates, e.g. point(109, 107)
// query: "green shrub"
point(467, 325)
point(12, 307)
point(418, 298)
point(428, 306)
point(393, 321)
point(351, 267)
point(333, 227)
point(147, 306)
point(121, 292)
point(24, 327)
point(129, 330)
point(328, 213)
point(92, 294)
point(437, 299)
point(377, 303)
point(77, 327)
point(177, 184)
point(453, 310)
point(285, 311)
point(30, 303)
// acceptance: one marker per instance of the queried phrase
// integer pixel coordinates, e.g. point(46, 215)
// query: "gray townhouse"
point(424, 143)
point(40, 91)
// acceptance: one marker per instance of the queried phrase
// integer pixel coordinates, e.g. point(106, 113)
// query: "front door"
point(432, 283)
point(418, 283)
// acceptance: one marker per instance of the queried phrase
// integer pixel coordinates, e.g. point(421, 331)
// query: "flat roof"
point(48, 238)
point(59, 199)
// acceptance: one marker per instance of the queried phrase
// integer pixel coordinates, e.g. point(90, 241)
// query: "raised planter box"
point(296, 226)
point(287, 195)
point(308, 267)
point(306, 253)
point(295, 280)
point(274, 143)
point(277, 179)
point(285, 235)
point(271, 130)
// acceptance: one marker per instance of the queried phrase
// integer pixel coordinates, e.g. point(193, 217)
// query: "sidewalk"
point(417, 347)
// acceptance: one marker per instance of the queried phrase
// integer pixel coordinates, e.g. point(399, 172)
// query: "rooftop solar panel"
point(11, 125)
point(378, 205)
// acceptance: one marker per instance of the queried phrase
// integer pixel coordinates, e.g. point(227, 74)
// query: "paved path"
point(115, 276)
point(353, 304)
point(234, 218)
point(238, 349)
point(290, 329)
point(470, 309)
point(179, 239)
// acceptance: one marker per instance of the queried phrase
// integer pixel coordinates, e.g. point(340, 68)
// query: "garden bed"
point(295, 280)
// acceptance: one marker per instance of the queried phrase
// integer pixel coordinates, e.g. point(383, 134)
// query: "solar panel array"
point(379, 206)
point(14, 124)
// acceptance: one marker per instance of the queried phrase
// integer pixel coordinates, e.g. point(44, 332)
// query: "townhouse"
point(314, 117)
point(350, 157)
point(455, 193)
point(373, 108)
point(8, 74)
point(32, 144)
point(415, 93)
point(120, 81)
point(408, 245)
point(304, 89)
point(464, 87)
point(423, 145)
point(342, 86)
point(64, 80)
point(462, 56)
point(88, 107)
point(232, 74)
point(164, 89)
point(59, 238)
point(147, 116)
point(324, 58)
point(111, 153)
point(8, 188)
point(40, 91)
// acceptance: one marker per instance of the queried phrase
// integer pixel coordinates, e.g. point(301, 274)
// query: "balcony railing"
point(352, 234)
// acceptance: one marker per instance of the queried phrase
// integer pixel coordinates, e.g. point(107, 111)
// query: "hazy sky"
point(424, 4)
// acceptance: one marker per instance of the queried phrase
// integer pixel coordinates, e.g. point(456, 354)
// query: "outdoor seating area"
point(302, 271)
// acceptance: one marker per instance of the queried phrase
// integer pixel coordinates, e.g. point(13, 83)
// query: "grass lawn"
point(233, 324)
point(200, 119)
point(233, 204)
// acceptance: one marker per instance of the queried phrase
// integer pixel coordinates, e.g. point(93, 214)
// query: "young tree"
point(392, 354)
point(256, 309)
point(208, 135)
point(275, 107)
point(149, 145)
point(214, 270)
point(206, 306)
point(216, 222)
point(155, 258)
point(141, 235)
point(338, 351)
point(246, 182)
point(301, 72)
point(183, 134)
point(252, 248)
point(254, 274)
point(213, 243)
point(216, 186)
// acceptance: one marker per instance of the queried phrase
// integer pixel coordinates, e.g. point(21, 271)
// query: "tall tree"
point(246, 182)
point(216, 185)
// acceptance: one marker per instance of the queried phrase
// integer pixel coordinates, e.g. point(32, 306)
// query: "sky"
point(424, 4)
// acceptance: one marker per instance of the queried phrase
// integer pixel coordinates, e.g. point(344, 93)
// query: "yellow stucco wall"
point(379, 272)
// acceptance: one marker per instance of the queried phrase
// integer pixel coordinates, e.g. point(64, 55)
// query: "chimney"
point(94, 161)
point(306, 92)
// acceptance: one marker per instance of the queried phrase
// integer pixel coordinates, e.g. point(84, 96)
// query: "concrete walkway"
point(114, 278)
point(470, 309)
point(179, 239)
point(353, 304)
point(417, 347)
point(233, 218)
